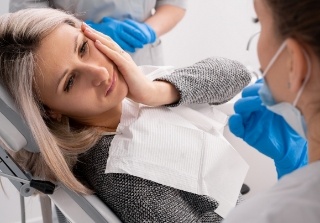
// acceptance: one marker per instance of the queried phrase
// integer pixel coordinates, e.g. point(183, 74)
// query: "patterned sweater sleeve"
point(214, 80)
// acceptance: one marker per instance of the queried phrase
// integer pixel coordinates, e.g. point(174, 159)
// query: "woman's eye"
point(83, 49)
point(69, 84)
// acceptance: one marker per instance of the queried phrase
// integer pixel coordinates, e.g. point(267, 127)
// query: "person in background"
point(280, 115)
point(136, 25)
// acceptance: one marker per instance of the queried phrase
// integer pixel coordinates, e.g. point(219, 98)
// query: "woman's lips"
point(112, 85)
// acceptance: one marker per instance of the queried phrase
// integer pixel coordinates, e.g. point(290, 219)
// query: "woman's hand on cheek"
point(141, 89)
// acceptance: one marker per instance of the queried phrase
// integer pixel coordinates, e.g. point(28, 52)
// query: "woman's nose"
point(97, 74)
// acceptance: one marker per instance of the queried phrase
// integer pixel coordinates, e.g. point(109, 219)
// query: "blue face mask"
point(288, 111)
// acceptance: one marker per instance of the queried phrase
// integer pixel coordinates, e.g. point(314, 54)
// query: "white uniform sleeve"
point(178, 3)
point(295, 198)
point(15, 5)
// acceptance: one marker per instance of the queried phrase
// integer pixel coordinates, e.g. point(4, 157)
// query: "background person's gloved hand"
point(125, 35)
point(267, 132)
point(145, 29)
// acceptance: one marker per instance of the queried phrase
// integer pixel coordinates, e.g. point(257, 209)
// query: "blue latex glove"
point(145, 29)
point(125, 35)
point(267, 132)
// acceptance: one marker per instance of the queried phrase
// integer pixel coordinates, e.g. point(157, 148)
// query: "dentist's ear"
point(298, 64)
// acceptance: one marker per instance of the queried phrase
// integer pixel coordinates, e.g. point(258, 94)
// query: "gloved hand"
point(267, 132)
point(145, 29)
point(127, 36)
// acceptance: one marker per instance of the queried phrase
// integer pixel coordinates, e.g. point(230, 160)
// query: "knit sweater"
point(133, 199)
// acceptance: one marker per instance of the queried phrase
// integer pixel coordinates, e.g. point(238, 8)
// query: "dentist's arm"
point(126, 33)
point(165, 18)
point(267, 132)
point(131, 34)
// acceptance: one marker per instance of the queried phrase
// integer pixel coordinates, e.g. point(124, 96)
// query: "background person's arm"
point(165, 18)
point(16, 5)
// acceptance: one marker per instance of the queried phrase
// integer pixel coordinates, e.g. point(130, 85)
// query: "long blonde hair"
point(21, 34)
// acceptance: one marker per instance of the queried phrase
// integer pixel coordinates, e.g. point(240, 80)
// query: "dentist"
point(280, 116)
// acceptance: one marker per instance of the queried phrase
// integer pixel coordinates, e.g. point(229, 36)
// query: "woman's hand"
point(141, 89)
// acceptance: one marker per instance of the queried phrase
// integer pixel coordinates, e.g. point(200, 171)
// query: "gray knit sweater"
point(133, 199)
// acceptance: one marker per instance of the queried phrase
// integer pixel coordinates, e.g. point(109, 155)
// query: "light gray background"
point(210, 28)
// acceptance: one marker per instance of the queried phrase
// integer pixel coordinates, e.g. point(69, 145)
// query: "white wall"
point(4, 6)
point(210, 28)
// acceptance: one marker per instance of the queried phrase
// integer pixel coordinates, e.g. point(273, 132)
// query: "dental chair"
point(15, 135)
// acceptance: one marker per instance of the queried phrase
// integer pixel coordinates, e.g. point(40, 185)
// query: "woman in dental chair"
point(83, 96)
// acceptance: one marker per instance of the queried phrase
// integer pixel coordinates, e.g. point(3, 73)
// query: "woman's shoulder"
point(95, 158)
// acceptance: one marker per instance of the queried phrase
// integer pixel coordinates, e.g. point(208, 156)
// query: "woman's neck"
point(107, 121)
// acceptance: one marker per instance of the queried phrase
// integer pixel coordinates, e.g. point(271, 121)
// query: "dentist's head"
point(289, 55)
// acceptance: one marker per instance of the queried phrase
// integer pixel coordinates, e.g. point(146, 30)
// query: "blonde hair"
point(21, 34)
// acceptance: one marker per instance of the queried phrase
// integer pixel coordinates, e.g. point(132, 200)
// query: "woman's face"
point(268, 44)
point(77, 80)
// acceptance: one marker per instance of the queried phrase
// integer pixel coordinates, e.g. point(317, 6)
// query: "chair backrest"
point(77, 208)
point(13, 129)
point(15, 135)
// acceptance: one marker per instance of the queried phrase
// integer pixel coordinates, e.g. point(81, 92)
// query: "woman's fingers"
point(119, 57)
point(84, 26)
point(95, 35)
point(112, 50)
point(136, 81)
point(106, 42)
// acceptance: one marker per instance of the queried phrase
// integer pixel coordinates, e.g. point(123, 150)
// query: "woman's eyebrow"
point(61, 77)
point(76, 43)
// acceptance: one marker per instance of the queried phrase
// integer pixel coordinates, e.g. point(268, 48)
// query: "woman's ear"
point(54, 115)
point(298, 65)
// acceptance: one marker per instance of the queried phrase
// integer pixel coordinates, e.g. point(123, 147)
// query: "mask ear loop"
point(305, 80)
point(273, 59)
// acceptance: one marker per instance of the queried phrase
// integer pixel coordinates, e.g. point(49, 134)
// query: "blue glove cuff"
point(145, 29)
point(293, 160)
point(153, 35)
